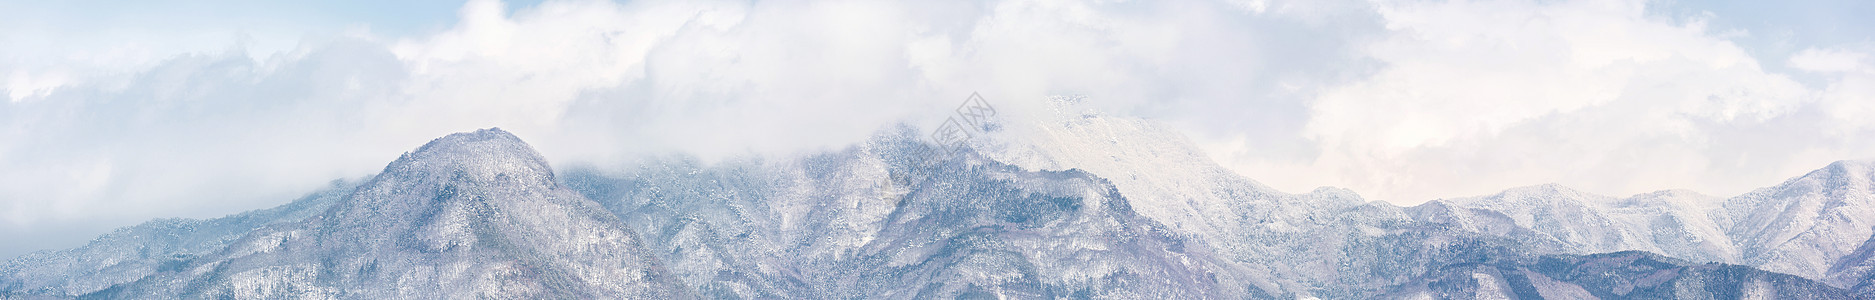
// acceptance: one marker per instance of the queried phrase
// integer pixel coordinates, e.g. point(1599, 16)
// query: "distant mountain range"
point(1079, 205)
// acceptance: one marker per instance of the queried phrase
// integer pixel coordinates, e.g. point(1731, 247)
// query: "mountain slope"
point(1283, 234)
point(1806, 224)
point(891, 219)
point(989, 229)
point(755, 228)
point(130, 253)
point(1856, 271)
point(1078, 206)
point(1326, 243)
point(1168, 178)
point(1679, 224)
point(467, 215)
point(1682, 224)
point(1620, 275)
point(1571, 217)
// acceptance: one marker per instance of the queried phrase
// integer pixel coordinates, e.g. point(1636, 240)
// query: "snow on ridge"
point(469, 214)
point(482, 155)
point(1808, 223)
point(1802, 226)
point(1166, 176)
point(490, 176)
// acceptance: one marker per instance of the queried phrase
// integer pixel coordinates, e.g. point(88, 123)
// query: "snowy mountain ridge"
point(1675, 223)
point(468, 215)
point(945, 228)
point(1080, 205)
point(1803, 226)
point(130, 253)
point(1157, 167)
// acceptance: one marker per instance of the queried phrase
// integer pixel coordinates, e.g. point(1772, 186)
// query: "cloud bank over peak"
point(1403, 101)
point(1545, 91)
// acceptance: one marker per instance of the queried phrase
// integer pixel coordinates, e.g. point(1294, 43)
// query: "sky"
point(117, 113)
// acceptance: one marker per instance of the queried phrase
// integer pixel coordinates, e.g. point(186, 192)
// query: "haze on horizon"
point(117, 113)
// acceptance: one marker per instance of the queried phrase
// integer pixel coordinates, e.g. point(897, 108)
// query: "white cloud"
point(1404, 101)
point(23, 84)
point(1478, 96)
point(1829, 60)
point(202, 133)
point(1849, 98)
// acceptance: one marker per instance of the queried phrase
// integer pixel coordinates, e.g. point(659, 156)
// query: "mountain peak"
point(1844, 172)
point(469, 215)
point(481, 155)
point(1844, 165)
point(1547, 188)
point(1541, 193)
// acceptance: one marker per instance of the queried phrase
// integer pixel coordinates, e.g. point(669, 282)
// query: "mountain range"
point(1074, 205)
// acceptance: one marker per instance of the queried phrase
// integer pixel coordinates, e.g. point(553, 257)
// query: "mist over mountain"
point(1077, 205)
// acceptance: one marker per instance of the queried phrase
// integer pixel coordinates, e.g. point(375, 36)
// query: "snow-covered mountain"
point(1856, 270)
point(1804, 226)
point(1682, 224)
point(1275, 234)
point(1679, 224)
point(469, 215)
point(1077, 205)
point(799, 228)
point(1285, 235)
point(1807, 224)
point(1578, 220)
point(131, 253)
point(892, 219)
